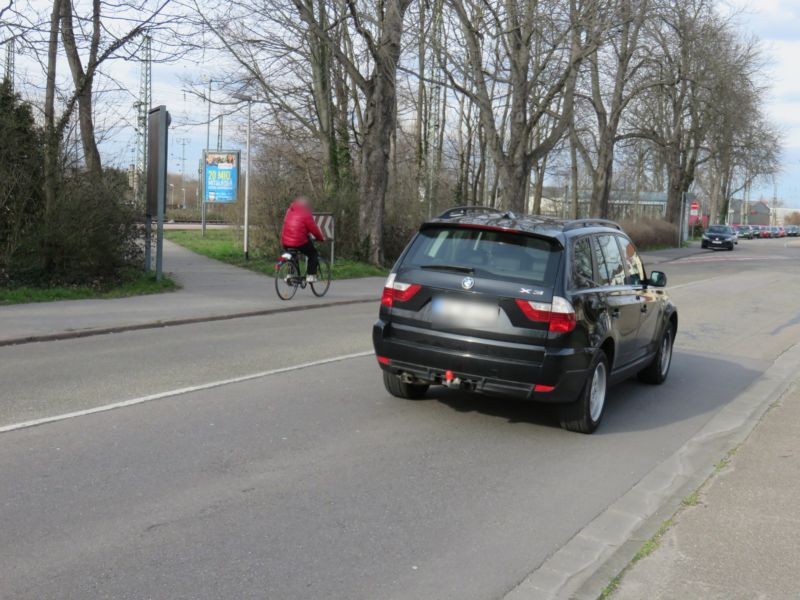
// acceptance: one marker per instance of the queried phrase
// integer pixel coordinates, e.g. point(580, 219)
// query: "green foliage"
point(225, 245)
point(21, 171)
point(90, 237)
point(132, 283)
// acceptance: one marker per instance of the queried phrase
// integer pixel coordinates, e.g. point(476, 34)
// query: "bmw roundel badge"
point(467, 283)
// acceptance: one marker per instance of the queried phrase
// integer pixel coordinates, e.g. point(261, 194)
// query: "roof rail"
point(462, 211)
point(591, 223)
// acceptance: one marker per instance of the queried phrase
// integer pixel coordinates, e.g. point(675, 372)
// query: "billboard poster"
point(221, 176)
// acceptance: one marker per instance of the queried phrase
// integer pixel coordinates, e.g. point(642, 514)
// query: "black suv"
point(523, 306)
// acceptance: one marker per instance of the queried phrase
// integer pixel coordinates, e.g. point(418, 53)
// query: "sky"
point(777, 24)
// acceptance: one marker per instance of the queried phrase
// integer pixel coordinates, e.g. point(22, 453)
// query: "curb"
point(69, 335)
point(596, 554)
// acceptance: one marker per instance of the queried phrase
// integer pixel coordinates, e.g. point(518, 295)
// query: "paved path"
point(209, 289)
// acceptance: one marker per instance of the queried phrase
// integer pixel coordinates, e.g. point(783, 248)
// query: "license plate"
point(716, 242)
point(461, 313)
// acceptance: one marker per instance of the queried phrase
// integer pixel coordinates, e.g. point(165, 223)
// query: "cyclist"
point(298, 226)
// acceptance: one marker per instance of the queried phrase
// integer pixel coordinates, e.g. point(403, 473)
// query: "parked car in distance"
point(523, 306)
point(719, 237)
point(766, 232)
point(781, 231)
point(792, 230)
point(744, 231)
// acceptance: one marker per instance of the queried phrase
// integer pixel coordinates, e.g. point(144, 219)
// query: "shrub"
point(91, 238)
point(648, 234)
point(21, 171)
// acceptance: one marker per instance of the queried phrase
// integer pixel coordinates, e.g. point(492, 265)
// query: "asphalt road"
point(314, 482)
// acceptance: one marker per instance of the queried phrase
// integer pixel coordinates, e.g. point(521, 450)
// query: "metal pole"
point(148, 225)
point(247, 188)
point(203, 171)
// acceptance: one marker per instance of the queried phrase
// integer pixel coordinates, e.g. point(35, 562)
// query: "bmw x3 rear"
point(526, 307)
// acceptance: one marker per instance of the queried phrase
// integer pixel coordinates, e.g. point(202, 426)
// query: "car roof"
point(490, 218)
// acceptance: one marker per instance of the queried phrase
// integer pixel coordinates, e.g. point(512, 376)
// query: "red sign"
point(694, 208)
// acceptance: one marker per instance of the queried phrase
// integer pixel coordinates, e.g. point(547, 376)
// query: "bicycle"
point(288, 277)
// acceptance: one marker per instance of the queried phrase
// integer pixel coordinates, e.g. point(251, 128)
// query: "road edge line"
point(69, 335)
point(584, 566)
point(178, 392)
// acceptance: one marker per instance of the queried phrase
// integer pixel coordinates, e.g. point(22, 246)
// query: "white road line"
point(178, 392)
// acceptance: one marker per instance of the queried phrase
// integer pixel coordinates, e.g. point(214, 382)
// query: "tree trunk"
point(83, 81)
point(601, 181)
point(51, 137)
point(379, 125)
point(573, 170)
point(323, 100)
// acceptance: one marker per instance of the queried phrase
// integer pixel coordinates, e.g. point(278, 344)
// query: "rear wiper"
point(456, 268)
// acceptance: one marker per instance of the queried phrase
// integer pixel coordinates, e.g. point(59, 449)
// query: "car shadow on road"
point(698, 384)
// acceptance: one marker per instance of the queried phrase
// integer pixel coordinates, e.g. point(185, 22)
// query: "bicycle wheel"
point(323, 283)
point(286, 280)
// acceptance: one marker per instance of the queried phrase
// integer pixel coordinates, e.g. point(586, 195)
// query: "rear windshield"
point(493, 254)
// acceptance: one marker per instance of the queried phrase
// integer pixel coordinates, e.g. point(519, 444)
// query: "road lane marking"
point(179, 392)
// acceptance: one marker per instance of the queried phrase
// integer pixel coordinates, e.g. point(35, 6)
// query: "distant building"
point(758, 213)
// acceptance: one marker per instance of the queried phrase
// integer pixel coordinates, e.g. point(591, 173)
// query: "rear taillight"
point(394, 291)
point(558, 314)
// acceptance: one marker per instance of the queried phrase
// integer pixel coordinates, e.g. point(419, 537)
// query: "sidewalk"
point(656, 257)
point(738, 537)
point(210, 289)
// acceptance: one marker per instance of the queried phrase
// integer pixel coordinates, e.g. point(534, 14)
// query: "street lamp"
point(249, 100)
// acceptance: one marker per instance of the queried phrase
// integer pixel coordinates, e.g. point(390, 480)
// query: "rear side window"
point(610, 266)
point(493, 254)
point(582, 271)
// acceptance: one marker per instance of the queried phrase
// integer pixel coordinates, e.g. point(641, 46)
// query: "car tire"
point(657, 371)
point(400, 389)
point(584, 414)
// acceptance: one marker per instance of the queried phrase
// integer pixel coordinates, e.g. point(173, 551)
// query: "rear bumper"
point(562, 369)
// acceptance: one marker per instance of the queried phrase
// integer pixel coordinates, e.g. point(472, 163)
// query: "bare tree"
point(540, 47)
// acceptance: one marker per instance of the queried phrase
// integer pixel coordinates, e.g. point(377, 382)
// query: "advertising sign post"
point(220, 178)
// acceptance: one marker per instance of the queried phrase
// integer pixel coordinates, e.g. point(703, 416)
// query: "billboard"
point(221, 176)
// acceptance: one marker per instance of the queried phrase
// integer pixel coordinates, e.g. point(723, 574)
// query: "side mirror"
point(657, 279)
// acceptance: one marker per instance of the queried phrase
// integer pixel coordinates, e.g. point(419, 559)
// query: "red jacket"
point(297, 224)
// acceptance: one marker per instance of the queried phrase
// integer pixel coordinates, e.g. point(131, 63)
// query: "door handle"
point(614, 313)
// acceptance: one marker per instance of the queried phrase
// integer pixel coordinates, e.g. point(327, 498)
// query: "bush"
point(649, 234)
point(214, 214)
point(21, 171)
point(91, 238)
